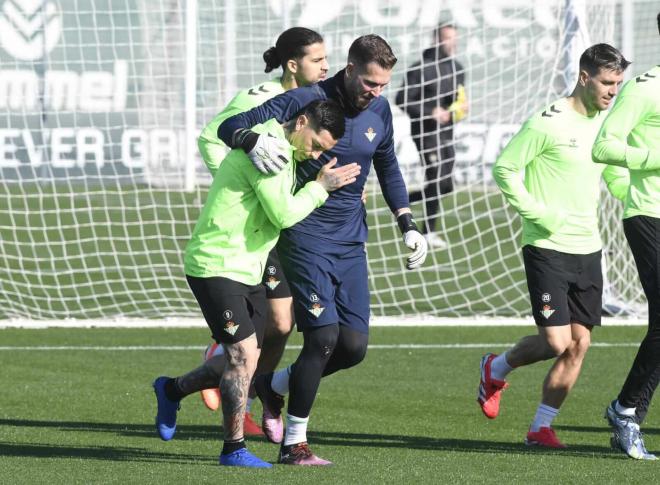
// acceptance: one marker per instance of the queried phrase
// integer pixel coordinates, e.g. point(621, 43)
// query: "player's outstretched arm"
point(285, 209)
point(611, 145)
point(412, 238)
point(266, 155)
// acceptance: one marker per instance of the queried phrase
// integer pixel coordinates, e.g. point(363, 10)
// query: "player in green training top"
point(558, 203)
point(300, 52)
point(224, 260)
point(630, 137)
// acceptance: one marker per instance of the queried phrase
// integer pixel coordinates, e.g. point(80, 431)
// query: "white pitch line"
point(416, 321)
point(129, 348)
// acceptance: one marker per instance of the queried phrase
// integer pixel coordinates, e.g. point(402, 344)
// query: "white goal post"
point(101, 101)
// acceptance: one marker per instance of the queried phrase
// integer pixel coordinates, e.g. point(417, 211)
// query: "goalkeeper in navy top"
point(324, 256)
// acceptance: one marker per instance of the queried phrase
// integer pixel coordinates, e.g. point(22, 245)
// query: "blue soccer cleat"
point(626, 435)
point(166, 417)
point(244, 458)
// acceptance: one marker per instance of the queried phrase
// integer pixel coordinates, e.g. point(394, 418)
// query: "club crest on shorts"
point(272, 283)
point(271, 270)
point(316, 308)
point(231, 327)
point(227, 314)
point(370, 134)
point(547, 311)
point(545, 297)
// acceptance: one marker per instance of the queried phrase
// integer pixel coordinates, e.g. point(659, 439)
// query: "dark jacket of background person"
point(431, 83)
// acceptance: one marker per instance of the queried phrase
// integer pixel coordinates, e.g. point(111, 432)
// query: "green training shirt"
point(558, 199)
point(630, 137)
point(243, 215)
point(213, 150)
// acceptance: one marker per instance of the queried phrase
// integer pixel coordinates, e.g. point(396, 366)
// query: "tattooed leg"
point(204, 377)
point(241, 361)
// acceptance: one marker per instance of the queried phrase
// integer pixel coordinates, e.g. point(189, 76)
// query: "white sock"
point(625, 411)
point(499, 367)
point(249, 404)
point(296, 430)
point(280, 382)
point(544, 417)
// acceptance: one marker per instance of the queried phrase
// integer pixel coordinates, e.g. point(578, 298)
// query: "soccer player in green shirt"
point(225, 257)
point(558, 203)
point(300, 52)
point(630, 138)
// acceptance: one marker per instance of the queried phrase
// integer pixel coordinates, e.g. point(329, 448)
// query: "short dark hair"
point(290, 44)
point(371, 48)
point(325, 115)
point(443, 25)
point(602, 56)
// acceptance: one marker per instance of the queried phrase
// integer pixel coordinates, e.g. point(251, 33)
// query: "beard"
point(359, 101)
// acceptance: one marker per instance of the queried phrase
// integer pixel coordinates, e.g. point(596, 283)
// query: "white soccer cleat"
point(626, 435)
point(435, 241)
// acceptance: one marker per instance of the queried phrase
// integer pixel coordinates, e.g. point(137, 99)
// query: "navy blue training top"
point(368, 136)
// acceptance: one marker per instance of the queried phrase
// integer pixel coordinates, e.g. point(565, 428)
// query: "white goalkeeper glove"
point(267, 153)
point(414, 240)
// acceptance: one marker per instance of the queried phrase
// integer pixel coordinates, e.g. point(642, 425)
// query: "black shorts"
point(274, 280)
point(643, 235)
point(564, 288)
point(232, 310)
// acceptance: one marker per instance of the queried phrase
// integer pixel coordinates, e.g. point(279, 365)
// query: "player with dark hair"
point(324, 255)
point(433, 95)
point(558, 202)
point(224, 259)
point(630, 138)
point(301, 54)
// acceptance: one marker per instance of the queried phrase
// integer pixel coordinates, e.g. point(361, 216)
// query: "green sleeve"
point(617, 180)
point(611, 146)
point(208, 148)
point(212, 149)
point(283, 208)
point(523, 148)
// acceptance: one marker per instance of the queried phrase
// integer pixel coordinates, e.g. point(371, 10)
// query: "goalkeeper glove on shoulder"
point(267, 153)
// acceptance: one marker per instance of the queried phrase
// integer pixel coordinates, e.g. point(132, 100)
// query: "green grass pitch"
point(404, 415)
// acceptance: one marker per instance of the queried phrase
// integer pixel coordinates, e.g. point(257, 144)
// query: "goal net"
point(101, 103)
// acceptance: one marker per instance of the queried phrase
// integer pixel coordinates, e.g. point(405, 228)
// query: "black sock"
point(318, 346)
point(172, 391)
point(231, 446)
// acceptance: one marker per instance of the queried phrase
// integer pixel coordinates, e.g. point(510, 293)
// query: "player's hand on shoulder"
point(267, 153)
point(334, 178)
point(420, 248)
